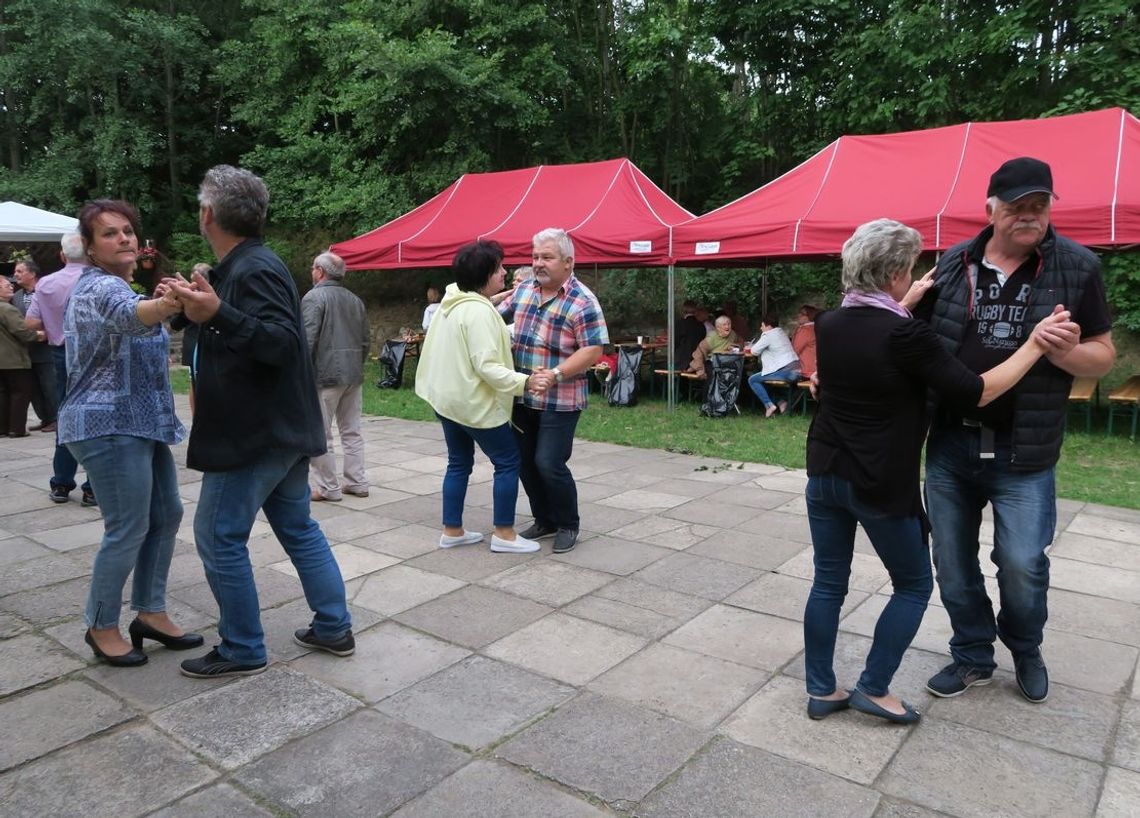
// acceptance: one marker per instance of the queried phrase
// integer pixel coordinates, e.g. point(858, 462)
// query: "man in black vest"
point(988, 294)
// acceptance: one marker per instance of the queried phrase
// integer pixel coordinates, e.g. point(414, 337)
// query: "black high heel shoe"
point(139, 631)
point(132, 659)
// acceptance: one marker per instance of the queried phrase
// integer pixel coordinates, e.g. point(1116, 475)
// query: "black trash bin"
point(723, 374)
point(392, 364)
point(621, 389)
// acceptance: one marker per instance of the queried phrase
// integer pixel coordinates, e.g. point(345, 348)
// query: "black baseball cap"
point(1020, 177)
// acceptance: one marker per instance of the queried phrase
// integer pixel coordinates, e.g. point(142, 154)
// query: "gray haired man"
point(339, 336)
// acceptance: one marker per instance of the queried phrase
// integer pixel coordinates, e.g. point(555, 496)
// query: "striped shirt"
point(547, 333)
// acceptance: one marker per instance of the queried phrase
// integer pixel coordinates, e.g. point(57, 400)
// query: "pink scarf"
point(875, 298)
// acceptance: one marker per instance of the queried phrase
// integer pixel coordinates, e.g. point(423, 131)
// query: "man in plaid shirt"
point(559, 330)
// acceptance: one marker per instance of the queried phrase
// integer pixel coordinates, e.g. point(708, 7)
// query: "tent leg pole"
point(672, 385)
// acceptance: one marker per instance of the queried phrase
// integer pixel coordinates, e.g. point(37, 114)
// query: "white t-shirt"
point(775, 351)
point(428, 313)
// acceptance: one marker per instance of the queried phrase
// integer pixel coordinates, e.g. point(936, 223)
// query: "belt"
point(985, 438)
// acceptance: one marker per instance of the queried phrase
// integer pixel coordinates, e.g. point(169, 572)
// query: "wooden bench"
point(1085, 395)
point(1126, 400)
point(790, 389)
point(668, 380)
point(804, 390)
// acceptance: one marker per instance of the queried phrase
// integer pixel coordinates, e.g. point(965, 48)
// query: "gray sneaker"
point(955, 679)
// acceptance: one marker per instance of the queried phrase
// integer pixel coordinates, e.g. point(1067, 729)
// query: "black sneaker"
point(214, 666)
point(1032, 676)
point(59, 494)
point(537, 532)
point(345, 646)
point(955, 679)
point(88, 498)
point(565, 540)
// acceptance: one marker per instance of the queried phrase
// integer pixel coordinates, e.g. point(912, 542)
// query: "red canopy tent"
point(933, 180)
point(615, 214)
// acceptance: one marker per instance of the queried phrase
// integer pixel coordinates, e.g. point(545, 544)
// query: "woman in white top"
point(433, 305)
point(778, 361)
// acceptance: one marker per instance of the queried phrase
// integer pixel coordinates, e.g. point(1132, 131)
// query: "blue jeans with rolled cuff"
point(501, 449)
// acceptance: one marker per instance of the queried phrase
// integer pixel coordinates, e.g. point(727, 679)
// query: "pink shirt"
point(50, 300)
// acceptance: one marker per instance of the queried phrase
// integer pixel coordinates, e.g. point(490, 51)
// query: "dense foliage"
point(355, 110)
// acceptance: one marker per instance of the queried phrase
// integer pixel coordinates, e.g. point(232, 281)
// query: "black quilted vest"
point(1041, 398)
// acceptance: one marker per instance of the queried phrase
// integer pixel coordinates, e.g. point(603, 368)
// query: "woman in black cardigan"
point(875, 365)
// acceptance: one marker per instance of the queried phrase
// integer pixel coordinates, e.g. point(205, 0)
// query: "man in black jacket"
point(988, 294)
point(256, 424)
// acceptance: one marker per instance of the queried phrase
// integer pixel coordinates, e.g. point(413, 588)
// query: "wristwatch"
point(557, 375)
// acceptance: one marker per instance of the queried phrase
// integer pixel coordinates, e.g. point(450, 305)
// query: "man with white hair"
point(46, 313)
point(339, 336)
point(560, 330)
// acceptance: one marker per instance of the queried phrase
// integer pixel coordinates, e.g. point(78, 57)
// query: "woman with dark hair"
point(876, 363)
point(118, 420)
point(778, 362)
point(467, 374)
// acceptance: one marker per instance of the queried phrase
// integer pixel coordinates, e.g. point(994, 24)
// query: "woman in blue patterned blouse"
point(118, 420)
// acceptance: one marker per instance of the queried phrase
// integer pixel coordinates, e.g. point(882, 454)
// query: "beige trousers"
point(341, 403)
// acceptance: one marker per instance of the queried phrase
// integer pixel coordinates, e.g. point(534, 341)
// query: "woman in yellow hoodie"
point(467, 374)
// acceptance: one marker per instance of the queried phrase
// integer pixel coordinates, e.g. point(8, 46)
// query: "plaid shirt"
point(546, 334)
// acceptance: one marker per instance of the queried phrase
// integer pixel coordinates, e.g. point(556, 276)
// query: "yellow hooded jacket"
point(466, 371)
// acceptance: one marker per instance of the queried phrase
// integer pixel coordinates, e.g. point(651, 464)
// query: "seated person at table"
point(778, 361)
point(723, 339)
point(690, 332)
point(803, 339)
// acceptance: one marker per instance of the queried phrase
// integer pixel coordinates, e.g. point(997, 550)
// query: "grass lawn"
point(1093, 467)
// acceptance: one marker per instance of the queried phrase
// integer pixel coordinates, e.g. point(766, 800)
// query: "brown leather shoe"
point(47, 427)
point(317, 497)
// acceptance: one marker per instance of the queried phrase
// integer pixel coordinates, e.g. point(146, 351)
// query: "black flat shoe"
point(860, 701)
point(132, 659)
point(822, 708)
point(139, 631)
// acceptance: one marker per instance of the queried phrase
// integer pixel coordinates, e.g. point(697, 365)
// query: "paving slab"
point(867, 572)
point(14, 549)
point(216, 801)
point(1114, 527)
point(476, 702)
point(1127, 748)
point(731, 779)
point(641, 621)
point(889, 808)
point(698, 576)
point(93, 779)
point(234, 724)
point(281, 622)
point(755, 550)
point(364, 765)
point(786, 596)
point(473, 616)
point(548, 581)
point(605, 747)
point(745, 637)
point(566, 648)
point(710, 511)
point(689, 686)
point(70, 537)
point(1097, 550)
point(47, 604)
point(969, 772)
point(12, 626)
point(407, 541)
point(1069, 657)
point(486, 788)
point(1108, 619)
point(469, 563)
point(775, 720)
point(388, 658)
point(933, 634)
point(353, 561)
point(77, 711)
point(401, 587)
point(613, 555)
point(30, 660)
point(1121, 795)
point(673, 604)
point(778, 526)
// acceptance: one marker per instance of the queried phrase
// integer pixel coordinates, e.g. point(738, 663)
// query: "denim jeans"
point(277, 483)
point(791, 374)
point(63, 463)
point(958, 486)
point(546, 441)
point(502, 450)
point(833, 511)
point(138, 495)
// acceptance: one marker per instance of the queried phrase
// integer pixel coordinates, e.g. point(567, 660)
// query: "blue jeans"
point(228, 502)
point(63, 463)
point(958, 486)
point(546, 441)
point(138, 495)
point(501, 449)
point(791, 374)
point(833, 511)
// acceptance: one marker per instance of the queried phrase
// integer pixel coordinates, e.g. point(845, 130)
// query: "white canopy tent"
point(23, 223)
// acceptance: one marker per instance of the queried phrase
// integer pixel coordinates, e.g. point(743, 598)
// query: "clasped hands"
point(540, 380)
point(196, 298)
point(1057, 334)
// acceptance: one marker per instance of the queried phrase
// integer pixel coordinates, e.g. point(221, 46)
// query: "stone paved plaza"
point(654, 671)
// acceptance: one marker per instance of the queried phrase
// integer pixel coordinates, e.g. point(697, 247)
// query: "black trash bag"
point(723, 374)
point(621, 388)
point(392, 364)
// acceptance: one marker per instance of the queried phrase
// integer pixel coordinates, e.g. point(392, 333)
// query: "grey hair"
point(72, 246)
point(560, 237)
point(877, 252)
point(331, 265)
point(522, 273)
point(202, 268)
point(238, 198)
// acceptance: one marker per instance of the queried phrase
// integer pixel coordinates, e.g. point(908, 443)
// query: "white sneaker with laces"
point(468, 538)
point(519, 545)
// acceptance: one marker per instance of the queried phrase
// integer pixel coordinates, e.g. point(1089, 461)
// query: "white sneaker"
point(468, 538)
point(519, 545)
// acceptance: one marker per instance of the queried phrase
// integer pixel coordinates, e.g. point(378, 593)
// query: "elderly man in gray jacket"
point(336, 325)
